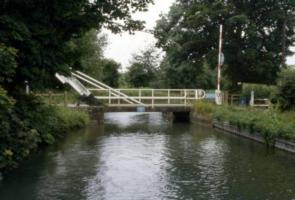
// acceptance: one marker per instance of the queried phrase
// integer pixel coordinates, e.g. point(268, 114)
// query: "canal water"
point(142, 156)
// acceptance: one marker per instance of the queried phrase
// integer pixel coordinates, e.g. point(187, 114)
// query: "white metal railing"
point(132, 97)
point(151, 97)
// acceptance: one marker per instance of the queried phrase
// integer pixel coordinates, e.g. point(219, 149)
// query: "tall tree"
point(39, 31)
point(87, 53)
point(110, 72)
point(253, 44)
point(143, 68)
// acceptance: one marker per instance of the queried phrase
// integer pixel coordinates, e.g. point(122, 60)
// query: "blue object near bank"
point(140, 109)
point(210, 96)
point(243, 101)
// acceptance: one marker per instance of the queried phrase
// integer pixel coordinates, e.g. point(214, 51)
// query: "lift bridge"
point(162, 100)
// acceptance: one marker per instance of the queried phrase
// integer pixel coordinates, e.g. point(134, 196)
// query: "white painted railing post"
point(119, 100)
point(169, 96)
point(110, 101)
point(252, 99)
point(139, 95)
point(153, 102)
point(185, 93)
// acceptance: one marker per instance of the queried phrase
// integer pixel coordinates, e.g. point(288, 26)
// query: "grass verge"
point(270, 123)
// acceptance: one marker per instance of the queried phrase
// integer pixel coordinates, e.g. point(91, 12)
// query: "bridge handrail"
point(101, 85)
point(197, 93)
point(96, 85)
point(93, 84)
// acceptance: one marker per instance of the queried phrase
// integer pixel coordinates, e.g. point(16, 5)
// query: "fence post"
point(231, 100)
point(50, 97)
point(169, 96)
point(153, 91)
point(110, 95)
point(139, 95)
point(225, 96)
point(119, 100)
point(185, 93)
point(65, 99)
point(27, 87)
point(252, 100)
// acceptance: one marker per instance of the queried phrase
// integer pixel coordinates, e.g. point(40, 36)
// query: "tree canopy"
point(257, 37)
point(35, 33)
point(143, 68)
point(110, 72)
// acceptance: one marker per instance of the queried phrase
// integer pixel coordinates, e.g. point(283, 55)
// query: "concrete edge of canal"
point(281, 144)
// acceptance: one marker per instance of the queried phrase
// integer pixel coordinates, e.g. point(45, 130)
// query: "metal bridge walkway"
point(128, 99)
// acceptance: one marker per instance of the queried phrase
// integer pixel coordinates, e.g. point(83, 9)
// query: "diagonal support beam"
point(101, 85)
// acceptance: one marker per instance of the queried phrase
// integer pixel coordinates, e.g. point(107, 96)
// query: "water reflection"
point(144, 156)
point(130, 157)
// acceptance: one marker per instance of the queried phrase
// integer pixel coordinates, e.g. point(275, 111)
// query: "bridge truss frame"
point(144, 97)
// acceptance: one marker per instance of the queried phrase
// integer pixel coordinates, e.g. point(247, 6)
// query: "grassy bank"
point(28, 123)
point(71, 119)
point(270, 123)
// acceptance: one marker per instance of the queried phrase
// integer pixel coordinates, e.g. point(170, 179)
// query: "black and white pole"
point(218, 93)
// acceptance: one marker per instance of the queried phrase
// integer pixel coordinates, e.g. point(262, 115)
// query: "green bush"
point(8, 63)
point(271, 124)
point(16, 139)
point(70, 119)
point(28, 122)
point(260, 90)
point(204, 108)
point(38, 115)
point(286, 89)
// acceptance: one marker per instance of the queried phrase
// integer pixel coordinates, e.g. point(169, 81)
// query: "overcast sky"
point(121, 47)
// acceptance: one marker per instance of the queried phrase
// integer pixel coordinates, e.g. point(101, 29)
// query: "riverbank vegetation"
point(29, 123)
point(278, 121)
point(270, 123)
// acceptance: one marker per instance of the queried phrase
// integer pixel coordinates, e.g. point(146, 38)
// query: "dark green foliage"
point(41, 30)
point(87, 53)
point(204, 108)
point(257, 36)
point(143, 69)
point(16, 139)
point(70, 120)
point(27, 122)
point(286, 89)
point(110, 72)
point(37, 115)
point(138, 76)
point(260, 90)
point(271, 124)
point(8, 63)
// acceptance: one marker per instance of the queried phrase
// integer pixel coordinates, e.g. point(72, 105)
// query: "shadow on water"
point(144, 156)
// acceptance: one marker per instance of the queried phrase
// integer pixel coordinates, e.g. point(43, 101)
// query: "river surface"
point(143, 156)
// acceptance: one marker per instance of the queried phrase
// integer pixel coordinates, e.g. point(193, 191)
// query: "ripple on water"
point(137, 156)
